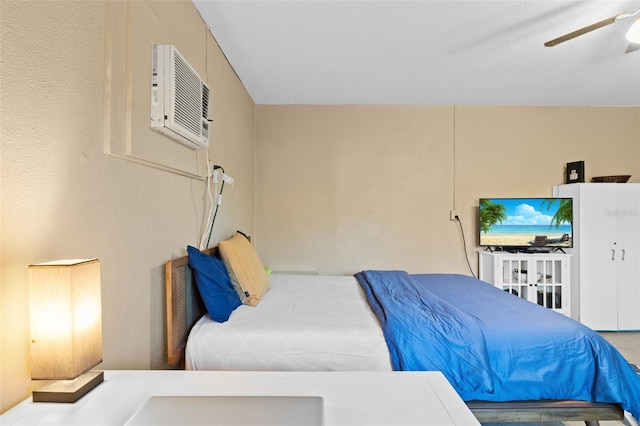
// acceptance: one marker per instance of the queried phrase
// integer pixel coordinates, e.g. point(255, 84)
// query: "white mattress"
point(303, 323)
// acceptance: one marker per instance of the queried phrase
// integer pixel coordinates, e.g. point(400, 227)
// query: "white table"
point(350, 398)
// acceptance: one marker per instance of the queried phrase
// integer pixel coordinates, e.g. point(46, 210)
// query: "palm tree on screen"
point(564, 214)
point(490, 214)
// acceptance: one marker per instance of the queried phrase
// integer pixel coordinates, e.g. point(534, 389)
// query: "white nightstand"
point(350, 398)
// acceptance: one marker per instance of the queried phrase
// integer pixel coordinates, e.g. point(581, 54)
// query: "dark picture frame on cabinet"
point(575, 172)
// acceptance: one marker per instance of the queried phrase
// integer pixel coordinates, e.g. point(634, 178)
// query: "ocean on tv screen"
point(526, 222)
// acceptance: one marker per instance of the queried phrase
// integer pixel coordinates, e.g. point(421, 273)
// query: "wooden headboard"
point(184, 306)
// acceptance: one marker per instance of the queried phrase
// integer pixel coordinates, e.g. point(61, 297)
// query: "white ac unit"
point(179, 98)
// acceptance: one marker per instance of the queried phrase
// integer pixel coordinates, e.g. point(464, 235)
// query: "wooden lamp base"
point(69, 390)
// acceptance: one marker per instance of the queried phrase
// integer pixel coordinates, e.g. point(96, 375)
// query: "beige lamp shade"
point(66, 318)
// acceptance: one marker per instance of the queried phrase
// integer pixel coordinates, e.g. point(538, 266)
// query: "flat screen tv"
point(533, 224)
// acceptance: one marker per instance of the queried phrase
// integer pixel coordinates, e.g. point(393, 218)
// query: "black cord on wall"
point(215, 213)
point(464, 245)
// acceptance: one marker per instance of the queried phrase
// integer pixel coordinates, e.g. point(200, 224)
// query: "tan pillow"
point(245, 269)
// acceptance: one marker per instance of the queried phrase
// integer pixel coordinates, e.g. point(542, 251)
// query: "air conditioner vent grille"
point(188, 96)
point(205, 110)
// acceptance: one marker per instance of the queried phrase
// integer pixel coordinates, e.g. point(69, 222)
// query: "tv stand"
point(537, 276)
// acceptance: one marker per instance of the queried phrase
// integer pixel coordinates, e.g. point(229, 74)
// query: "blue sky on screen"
point(527, 211)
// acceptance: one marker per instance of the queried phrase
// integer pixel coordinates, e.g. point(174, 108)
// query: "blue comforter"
point(494, 346)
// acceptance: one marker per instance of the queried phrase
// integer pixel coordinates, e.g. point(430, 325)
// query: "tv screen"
point(526, 223)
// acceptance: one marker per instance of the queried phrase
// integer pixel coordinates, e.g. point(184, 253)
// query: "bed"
point(308, 323)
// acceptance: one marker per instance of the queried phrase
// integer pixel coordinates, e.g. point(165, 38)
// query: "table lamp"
point(66, 328)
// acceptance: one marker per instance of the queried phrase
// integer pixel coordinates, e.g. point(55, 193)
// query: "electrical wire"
point(464, 245)
point(213, 220)
point(208, 189)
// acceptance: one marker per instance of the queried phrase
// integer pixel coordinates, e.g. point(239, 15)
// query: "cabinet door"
point(551, 282)
point(627, 245)
point(515, 276)
point(597, 228)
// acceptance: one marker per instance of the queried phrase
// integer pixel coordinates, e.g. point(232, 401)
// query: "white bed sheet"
point(303, 323)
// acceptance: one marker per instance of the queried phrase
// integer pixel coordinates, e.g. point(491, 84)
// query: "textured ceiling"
point(427, 51)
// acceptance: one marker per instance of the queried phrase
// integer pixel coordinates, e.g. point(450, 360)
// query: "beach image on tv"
point(526, 222)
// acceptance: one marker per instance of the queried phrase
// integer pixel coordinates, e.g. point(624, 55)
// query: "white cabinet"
point(542, 278)
point(606, 253)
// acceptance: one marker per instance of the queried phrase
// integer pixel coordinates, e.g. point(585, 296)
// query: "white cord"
point(205, 230)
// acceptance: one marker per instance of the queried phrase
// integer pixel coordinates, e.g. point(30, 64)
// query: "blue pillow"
point(214, 284)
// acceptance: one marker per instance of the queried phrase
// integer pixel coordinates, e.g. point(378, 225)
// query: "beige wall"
point(345, 188)
point(341, 188)
point(63, 197)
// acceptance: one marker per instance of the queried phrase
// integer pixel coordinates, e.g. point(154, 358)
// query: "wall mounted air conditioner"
point(179, 98)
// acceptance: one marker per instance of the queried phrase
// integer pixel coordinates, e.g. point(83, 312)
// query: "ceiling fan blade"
point(583, 31)
point(632, 47)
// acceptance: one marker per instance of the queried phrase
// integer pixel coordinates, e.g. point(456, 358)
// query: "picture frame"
point(575, 172)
